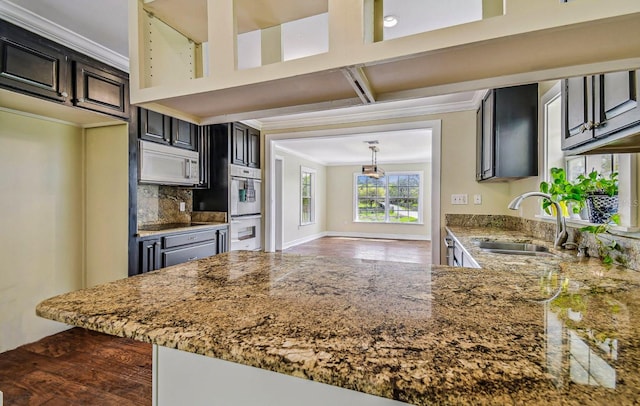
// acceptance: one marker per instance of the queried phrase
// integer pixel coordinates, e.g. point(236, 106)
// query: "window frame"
point(420, 175)
point(312, 198)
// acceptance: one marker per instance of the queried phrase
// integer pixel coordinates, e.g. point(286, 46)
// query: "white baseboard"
point(347, 234)
point(1, 398)
point(302, 240)
point(418, 237)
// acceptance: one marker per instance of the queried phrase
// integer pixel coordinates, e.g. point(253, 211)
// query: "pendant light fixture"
point(372, 170)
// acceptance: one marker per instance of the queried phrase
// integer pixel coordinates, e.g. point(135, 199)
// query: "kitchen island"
point(420, 334)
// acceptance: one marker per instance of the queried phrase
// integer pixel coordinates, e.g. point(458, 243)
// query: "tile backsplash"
point(161, 204)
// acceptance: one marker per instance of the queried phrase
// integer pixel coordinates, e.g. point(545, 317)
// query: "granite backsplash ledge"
point(545, 230)
point(161, 204)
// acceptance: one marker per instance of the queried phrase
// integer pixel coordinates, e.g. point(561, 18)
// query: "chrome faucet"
point(561, 227)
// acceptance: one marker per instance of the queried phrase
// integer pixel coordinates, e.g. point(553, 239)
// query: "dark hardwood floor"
point(81, 367)
point(77, 367)
point(367, 248)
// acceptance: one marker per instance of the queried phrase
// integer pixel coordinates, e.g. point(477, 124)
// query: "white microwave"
point(166, 165)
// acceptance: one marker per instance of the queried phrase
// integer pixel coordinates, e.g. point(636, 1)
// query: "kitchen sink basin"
point(514, 248)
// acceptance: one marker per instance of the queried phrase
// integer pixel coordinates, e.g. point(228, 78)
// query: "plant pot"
point(601, 207)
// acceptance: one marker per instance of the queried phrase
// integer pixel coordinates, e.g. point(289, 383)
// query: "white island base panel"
point(185, 378)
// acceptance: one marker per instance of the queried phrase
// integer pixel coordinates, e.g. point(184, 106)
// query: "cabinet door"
point(253, 148)
point(32, 65)
point(488, 136)
point(184, 134)
point(223, 242)
point(239, 144)
point(479, 144)
point(101, 91)
point(615, 102)
point(577, 111)
point(149, 255)
point(155, 127)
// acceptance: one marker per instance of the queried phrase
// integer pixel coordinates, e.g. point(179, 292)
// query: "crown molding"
point(39, 25)
point(371, 112)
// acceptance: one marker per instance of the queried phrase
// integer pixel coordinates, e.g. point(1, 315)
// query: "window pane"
point(394, 199)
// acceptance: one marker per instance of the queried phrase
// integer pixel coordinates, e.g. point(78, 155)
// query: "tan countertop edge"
point(203, 226)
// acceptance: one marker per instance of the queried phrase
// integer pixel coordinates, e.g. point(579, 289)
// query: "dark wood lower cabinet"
point(149, 255)
point(178, 256)
point(170, 249)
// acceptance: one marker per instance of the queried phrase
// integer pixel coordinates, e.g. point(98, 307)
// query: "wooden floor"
point(81, 367)
point(77, 367)
point(367, 248)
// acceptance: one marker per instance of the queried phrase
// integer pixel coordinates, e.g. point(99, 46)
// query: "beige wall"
point(340, 204)
point(107, 203)
point(41, 212)
point(293, 232)
point(458, 169)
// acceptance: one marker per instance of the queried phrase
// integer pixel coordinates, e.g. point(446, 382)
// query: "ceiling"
point(105, 22)
point(408, 146)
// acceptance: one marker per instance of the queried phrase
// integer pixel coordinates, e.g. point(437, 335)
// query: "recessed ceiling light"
point(389, 21)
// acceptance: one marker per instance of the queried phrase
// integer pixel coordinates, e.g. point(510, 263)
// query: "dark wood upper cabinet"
point(155, 127)
point(239, 147)
point(245, 146)
point(253, 148)
point(616, 102)
point(184, 134)
point(32, 65)
point(507, 139)
point(36, 66)
point(99, 90)
point(599, 106)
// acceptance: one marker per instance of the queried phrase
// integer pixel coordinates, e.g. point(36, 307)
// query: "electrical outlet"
point(183, 206)
point(477, 199)
point(459, 199)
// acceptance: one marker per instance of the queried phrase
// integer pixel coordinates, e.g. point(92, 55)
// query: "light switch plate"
point(182, 206)
point(477, 199)
point(459, 199)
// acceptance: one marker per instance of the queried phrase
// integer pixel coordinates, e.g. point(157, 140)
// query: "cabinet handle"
point(600, 124)
point(192, 258)
point(193, 238)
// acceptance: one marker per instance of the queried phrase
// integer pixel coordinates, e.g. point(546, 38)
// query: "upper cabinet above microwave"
point(601, 113)
point(159, 128)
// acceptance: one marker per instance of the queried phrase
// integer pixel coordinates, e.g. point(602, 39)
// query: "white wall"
point(340, 205)
point(107, 203)
point(41, 222)
point(293, 232)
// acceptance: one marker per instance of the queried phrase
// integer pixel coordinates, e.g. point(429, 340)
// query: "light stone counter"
point(416, 333)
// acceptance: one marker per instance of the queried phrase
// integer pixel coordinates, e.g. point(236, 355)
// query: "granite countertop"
point(566, 334)
point(161, 229)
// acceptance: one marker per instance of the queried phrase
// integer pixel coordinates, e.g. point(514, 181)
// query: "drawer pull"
point(192, 258)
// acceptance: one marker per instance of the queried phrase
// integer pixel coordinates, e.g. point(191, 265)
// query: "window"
point(307, 196)
point(394, 198)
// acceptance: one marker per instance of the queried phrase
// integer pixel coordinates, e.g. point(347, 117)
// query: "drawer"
point(188, 238)
point(181, 255)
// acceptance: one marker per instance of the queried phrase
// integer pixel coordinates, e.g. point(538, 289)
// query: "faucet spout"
point(561, 227)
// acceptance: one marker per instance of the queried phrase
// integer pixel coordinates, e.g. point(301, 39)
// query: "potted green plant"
point(609, 250)
point(601, 195)
point(563, 192)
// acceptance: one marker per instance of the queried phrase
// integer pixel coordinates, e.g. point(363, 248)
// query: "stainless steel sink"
point(514, 248)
